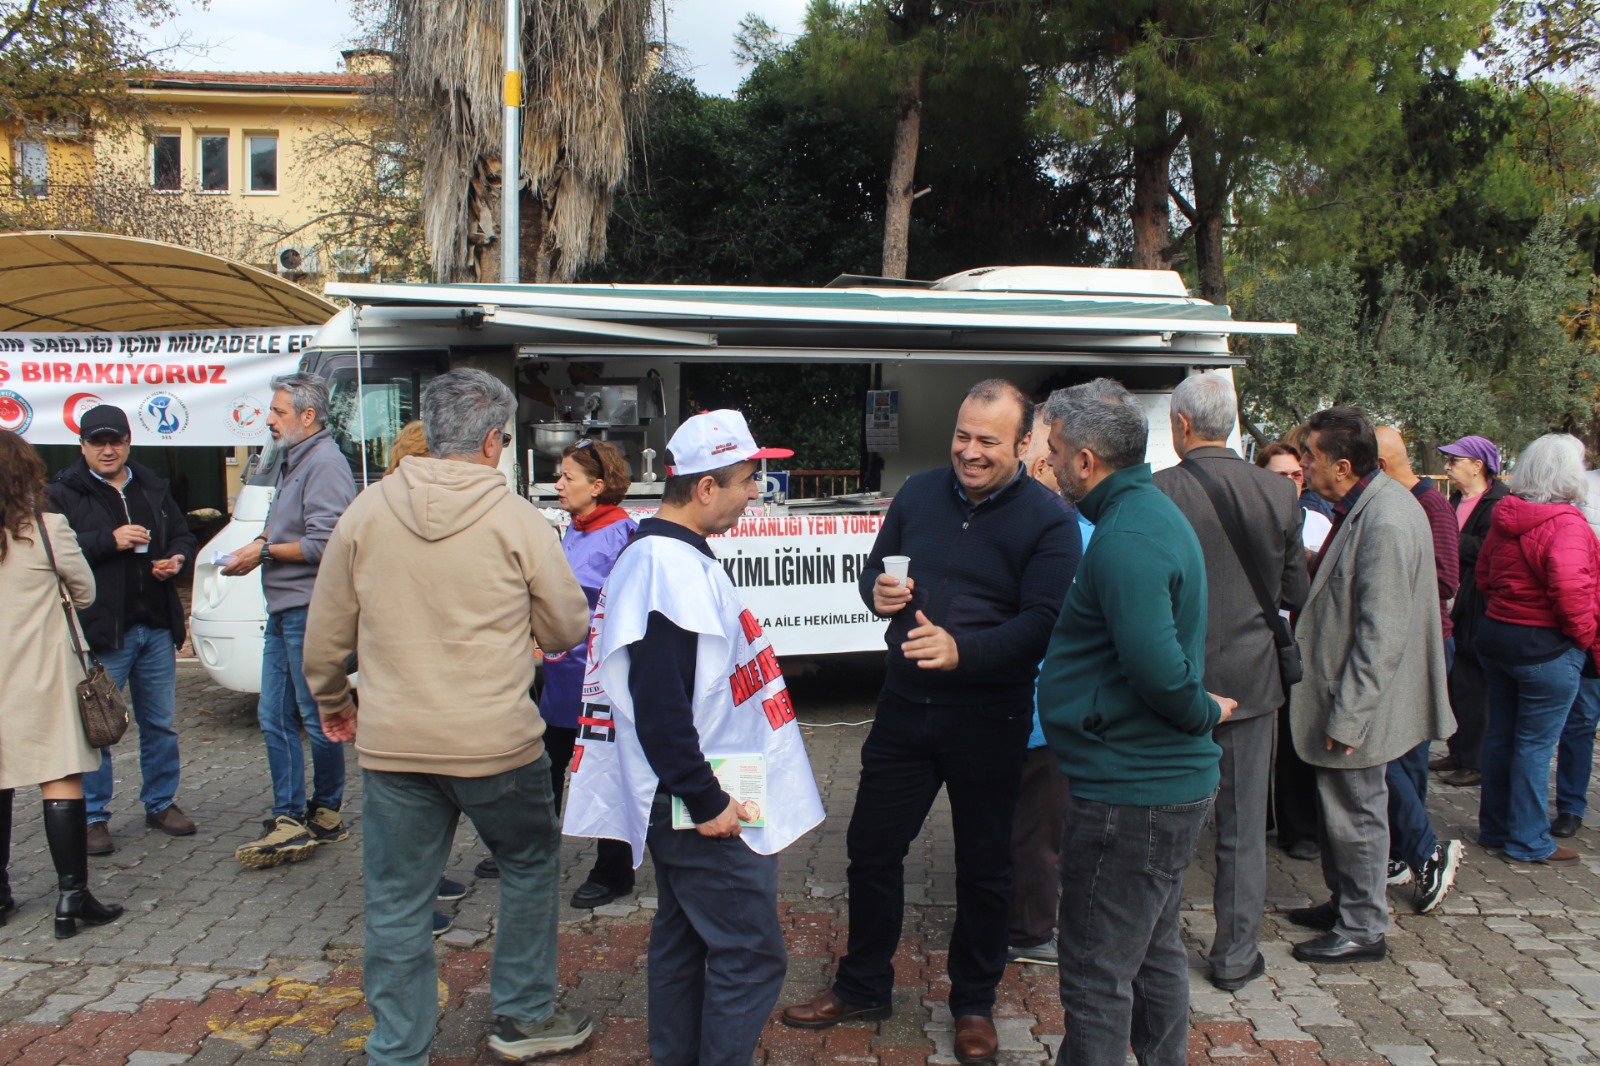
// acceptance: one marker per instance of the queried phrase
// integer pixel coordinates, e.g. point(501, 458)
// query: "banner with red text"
point(205, 387)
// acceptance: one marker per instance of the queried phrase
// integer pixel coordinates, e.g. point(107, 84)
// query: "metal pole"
point(511, 152)
point(361, 397)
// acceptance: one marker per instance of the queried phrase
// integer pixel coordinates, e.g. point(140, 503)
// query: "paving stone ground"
point(216, 964)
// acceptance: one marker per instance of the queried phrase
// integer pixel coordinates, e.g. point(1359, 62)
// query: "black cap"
point(103, 420)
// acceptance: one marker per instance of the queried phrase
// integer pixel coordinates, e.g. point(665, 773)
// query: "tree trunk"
point(534, 241)
point(1211, 181)
point(902, 178)
point(1149, 214)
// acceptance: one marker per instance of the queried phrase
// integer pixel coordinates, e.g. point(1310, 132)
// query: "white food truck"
point(608, 361)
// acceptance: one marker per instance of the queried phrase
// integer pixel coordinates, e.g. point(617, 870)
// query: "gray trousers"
point(1355, 848)
point(1240, 895)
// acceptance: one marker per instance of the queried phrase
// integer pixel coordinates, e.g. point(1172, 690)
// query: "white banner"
point(206, 388)
point(797, 574)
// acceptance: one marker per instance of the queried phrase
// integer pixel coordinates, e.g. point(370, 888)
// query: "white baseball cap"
point(714, 439)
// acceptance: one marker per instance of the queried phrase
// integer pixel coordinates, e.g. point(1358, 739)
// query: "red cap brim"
point(771, 453)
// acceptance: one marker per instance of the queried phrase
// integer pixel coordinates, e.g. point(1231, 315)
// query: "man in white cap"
point(680, 678)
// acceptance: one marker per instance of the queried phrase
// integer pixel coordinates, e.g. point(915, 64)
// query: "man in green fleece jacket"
point(1124, 709)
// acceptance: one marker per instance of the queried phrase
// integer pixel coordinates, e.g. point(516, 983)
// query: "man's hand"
point(340, 727)
point(725, 824)
point(1334, 745)
point(246, 558)
point(1228, 706)
point(889, 596)
point(931, 646)
point(162, 569)
point(129, 537)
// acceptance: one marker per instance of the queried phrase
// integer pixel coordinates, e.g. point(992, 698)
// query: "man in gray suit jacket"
point(1241, 656)
point(1374, 685)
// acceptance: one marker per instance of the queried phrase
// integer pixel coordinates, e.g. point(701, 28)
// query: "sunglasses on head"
point(582, 444)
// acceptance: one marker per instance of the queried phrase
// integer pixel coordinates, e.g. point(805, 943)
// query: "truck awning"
point(872, 322)
point(66, 282)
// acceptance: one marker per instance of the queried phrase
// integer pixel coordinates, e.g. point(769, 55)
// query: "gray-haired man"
point(446, 726)
point(314, 487)
point(1241, 653)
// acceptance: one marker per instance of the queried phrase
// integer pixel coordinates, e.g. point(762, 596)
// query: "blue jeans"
point(408, 821)
point(286, 705)
point(147, 663)
point(1528, 706)
point(1124, 970)
point(717, 958)
point(1575, 752)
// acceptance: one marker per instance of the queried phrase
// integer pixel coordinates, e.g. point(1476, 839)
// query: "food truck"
point(608, 361)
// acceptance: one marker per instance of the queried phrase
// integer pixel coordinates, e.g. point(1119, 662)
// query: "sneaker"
point(442, 923)
point(98, 839)
point(325, 825)
point(289, 841)
point(450, 890)
point(1399, 872)
point(1039, 954)
point(564, 1030)
point(1438, 874)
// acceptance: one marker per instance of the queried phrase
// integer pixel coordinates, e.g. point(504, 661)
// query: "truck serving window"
point(391, 396)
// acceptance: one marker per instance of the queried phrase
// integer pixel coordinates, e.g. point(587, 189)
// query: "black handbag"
point(100, 703)
point(1290, 667)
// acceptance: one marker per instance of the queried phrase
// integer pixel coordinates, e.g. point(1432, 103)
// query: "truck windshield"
point(390, 397)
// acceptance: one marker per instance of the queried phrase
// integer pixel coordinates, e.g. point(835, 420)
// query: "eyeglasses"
point(505, 439)
point(1452, 460)
point(582, 444)
point(1294, 475)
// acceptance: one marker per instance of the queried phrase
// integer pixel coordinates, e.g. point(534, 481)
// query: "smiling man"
point(991, 556)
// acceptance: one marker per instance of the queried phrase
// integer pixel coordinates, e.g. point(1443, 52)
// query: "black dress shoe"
point(1333, 947)
point(1323, 916)
point(1233, 984)
point(1304, 850)
point(1565, 825)
point(486, 867)
point(594, 894)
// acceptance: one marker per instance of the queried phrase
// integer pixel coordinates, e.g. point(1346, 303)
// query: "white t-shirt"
point(1315, 530)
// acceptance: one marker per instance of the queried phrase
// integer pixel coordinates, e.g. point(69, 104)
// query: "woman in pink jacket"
point(1539, 573)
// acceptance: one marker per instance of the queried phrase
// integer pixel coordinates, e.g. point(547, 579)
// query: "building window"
point(31, 166)
point(213, 162)
point(263, 163)
point(166, 162)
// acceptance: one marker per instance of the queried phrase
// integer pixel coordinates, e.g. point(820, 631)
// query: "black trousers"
point(613, 859)
point(1469, 700)
point(1295, 813)
point(976, 754)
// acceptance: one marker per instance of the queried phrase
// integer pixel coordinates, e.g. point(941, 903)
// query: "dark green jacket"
point(1121, 696)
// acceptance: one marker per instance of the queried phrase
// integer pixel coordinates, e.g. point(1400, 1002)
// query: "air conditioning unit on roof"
point(351, 261)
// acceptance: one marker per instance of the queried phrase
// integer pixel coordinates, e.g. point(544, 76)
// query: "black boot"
point(7, 903)
point(67, 832)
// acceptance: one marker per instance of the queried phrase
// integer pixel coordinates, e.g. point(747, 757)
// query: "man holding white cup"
point(984, 559)
point(136, 538)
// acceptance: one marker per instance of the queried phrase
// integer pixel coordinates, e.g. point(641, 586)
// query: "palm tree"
point(582, 61)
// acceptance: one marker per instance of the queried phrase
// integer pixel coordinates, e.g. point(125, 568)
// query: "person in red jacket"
point(1539, 573)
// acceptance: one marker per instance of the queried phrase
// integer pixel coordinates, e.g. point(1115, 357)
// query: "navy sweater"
point(992, 574)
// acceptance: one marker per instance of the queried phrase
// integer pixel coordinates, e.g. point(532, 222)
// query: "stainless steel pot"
point(551, 438)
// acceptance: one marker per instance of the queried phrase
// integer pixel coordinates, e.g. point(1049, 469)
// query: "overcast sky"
point(307, 35)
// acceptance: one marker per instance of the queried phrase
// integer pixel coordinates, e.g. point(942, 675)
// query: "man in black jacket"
point(136, 540)
point(991, 556)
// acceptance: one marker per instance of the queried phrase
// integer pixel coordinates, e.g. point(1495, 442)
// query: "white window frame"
point(200, 139)
point(26, 186)
point(155, 143)
point(249, 164)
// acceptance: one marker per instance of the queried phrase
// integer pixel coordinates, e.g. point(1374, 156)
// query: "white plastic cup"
point(897, 567)
point(142, 549)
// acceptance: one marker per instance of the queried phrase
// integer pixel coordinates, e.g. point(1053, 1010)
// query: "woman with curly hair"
point(41, 735)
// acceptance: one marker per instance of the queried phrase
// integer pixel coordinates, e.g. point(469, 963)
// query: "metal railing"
point(809, 484)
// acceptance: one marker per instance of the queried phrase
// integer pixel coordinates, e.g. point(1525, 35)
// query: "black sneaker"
point(1324, 916)
point(450, 890)
point(564, 1030)
point(1399, 873)
point(442, 923)
point(1437, 875)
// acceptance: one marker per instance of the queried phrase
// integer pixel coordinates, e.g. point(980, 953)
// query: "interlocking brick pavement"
point(215, 964)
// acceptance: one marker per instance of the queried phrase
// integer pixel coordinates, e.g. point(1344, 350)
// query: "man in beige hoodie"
point(446, 581)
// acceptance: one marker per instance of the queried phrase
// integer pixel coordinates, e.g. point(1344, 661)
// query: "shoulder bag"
point(100, 704)
point(1289, 664)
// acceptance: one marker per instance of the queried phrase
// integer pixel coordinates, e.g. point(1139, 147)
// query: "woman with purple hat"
point(1471, 464)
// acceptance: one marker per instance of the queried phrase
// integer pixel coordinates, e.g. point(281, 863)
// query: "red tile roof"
point(268, 79)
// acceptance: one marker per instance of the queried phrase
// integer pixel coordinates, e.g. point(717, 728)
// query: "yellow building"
point(230, 163)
